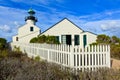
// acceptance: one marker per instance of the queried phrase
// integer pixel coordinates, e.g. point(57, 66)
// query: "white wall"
point(24, 30)
point(64, 27)
point(27, 38)
point(91, 38)
point(14, 38)
point(24, 33)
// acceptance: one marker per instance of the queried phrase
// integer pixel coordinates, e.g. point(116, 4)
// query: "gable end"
point(61, 21)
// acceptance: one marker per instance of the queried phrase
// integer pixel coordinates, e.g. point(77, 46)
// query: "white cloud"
point(5, 28)
point(17, 25)
point(104, 27)
point(28, 1)
point(8, 15)
point(109, 24)
point(38, 2)
point(109, 27)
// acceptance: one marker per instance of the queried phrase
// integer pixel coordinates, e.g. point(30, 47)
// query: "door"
point(68, 39)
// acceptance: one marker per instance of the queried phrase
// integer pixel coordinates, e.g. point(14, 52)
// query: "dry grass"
point(16, 66)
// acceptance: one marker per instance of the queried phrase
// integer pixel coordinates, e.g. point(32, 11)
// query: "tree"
point(42, 39)
point(33, 40)
point(2, 43)
point(52, 40)
point(115, 39)
point(114, 49)
point(103, 39)
point(45, 39)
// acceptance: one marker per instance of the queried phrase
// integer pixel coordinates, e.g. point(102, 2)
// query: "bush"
point(115, 51)
point(3, 53)
point(37, 58)
point(3, 43)
point(23, 68)
point(45, 39)
point(27, 69)
point(34, 40)
point(114, 43)
point(16, 49)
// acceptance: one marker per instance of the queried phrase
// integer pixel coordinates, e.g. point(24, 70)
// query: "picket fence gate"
point(76, 57)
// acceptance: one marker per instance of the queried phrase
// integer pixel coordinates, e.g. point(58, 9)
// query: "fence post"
point(71, 59)
point(48, 54)
point(108, 56)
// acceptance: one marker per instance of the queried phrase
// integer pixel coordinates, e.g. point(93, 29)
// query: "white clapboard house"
point(69, 33)
point(65, 31)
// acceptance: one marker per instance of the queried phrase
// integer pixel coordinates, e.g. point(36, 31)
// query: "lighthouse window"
point(16, 38)
point(31, 29)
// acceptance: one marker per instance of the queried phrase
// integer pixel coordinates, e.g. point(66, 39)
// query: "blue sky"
point(97, 16)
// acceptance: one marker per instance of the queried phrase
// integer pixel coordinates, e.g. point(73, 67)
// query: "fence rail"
point(76, 57)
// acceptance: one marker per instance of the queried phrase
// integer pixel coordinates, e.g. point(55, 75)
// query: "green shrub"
point(16, 54)
point(52, 40)
point(34, 40)
point(16, 49)
point(114, 43)
point(3, 53)
point(115, 51)
point(3, 43)
point(45, 39)
point(37, 58)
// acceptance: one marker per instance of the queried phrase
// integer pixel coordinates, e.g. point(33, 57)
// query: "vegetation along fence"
point(76, 57)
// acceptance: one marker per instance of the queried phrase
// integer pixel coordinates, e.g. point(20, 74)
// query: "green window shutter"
point(84, 40)
point(57, 39)
point(77, 39)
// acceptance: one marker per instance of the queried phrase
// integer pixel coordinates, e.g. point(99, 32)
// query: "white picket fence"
point(78, 58)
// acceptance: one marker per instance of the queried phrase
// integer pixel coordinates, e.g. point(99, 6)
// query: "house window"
point(77, 39)
point(84, 40)
point(66, 39)
point(31, 29)
point(16, 38)
point(63, 39)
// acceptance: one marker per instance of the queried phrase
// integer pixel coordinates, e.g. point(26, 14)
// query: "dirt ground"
point(115, 64)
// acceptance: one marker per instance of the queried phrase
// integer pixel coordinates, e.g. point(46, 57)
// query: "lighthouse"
point(29, 30)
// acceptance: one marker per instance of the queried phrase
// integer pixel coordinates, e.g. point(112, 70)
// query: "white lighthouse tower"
point(29, 30)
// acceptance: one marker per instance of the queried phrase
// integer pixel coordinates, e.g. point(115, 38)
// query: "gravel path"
point(115, 64)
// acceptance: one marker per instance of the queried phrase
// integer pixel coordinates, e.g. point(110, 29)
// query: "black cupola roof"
point(31, 15)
